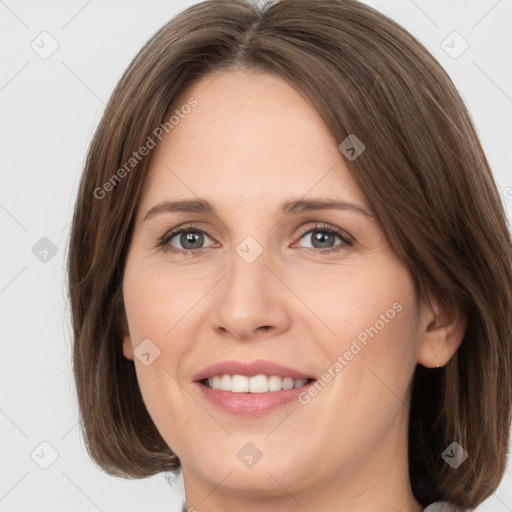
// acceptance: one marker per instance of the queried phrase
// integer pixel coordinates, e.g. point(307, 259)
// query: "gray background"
point(49, 110)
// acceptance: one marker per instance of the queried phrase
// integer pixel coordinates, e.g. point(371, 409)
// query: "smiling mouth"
point(255, 384)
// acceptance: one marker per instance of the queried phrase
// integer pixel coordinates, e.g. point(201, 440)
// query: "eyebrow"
point(291, 206)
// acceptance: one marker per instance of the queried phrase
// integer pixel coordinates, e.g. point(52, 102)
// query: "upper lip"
point(249, 369)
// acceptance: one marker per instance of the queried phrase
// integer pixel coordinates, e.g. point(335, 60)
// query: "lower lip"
point(251, 404)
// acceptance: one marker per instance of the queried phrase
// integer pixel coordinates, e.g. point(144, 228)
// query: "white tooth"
point(258, 384)
point(225, 383)
point(216, 382)
point(239, 384)
point(287, 383)
point(255, 384)
point(275, 383)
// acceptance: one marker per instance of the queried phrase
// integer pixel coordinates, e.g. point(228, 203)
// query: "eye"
point(323, 237)
point(187, 239)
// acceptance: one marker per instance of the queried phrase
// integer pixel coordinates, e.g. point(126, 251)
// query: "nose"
point(250, 301)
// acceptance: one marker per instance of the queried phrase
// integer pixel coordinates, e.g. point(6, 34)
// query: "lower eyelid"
point(344, 237)
point(167, 238)
point(343, 244)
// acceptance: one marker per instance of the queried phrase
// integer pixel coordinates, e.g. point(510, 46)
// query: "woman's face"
point(270, 278)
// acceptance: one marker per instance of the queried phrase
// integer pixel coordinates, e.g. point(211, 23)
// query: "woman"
point(290, 269)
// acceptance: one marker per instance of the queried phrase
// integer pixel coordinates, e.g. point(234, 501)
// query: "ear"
point(442, 332)
point(127, 346)
point(123, 327)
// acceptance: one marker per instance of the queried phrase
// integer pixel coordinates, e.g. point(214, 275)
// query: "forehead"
point(250, 134)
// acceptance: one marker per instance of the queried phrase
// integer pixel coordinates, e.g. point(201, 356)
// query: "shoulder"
point(439, 506)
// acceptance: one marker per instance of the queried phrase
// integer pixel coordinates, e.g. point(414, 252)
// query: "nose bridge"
point(249, 275)
point(250, 296)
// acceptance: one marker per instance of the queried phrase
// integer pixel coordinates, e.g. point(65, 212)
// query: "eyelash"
point(346, 240)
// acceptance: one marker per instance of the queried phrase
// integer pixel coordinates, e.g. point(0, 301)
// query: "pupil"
point(324, 239)
point(193, 238)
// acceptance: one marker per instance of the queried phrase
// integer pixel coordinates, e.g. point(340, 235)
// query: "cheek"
point(372, 339)
point(160, 308)
point(355, 301)
point(160, 299)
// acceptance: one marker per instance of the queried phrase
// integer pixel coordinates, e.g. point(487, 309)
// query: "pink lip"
point(249, 369)
point(250, 404)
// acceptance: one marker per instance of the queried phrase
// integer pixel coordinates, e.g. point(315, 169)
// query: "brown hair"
point(423, 172)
